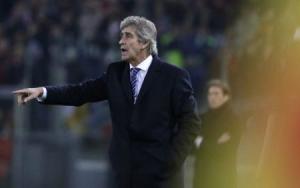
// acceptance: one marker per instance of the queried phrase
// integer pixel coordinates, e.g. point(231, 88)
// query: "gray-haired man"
point(152, 108)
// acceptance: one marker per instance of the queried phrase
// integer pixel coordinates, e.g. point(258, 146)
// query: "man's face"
point(131, 47)
point(216, 97)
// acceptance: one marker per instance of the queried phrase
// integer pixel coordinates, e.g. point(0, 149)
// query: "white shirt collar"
point(144, 65)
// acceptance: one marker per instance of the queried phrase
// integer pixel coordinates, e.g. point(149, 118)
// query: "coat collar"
point(151, 77)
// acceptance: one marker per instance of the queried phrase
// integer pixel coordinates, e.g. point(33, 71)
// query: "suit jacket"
point(150, 138)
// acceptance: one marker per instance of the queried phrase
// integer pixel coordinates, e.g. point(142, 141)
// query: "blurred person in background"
point(152, 107)
point(215, 162)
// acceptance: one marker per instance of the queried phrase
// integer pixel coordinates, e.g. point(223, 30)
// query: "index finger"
point(20, 91)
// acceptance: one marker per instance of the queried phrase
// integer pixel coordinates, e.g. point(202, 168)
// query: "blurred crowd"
point(56, 41)
point(66, 41)
point(62, 41)
point(247, 43)
point(77, 39)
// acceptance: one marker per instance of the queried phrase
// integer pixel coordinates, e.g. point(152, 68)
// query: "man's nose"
point(121, 41)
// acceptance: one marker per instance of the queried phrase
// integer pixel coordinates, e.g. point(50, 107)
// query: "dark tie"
point(133, 82)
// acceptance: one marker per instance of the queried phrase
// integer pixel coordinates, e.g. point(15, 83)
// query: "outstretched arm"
point(72, 94)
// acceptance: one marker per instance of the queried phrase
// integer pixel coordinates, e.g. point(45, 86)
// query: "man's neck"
point(135, 62)
point(144, 65)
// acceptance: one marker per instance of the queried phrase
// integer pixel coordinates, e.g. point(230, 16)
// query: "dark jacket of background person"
point(150, 138)
point(215, 164)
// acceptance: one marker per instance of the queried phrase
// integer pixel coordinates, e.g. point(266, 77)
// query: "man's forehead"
point(128, 29)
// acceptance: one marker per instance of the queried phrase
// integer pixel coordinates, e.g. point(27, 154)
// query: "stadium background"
point(252, 44)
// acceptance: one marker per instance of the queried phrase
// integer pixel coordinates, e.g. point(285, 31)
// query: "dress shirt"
point(143, 66)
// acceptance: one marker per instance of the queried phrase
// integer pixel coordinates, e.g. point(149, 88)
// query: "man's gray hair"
point(145, 30)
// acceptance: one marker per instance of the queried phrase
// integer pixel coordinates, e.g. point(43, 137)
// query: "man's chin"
point(124, 58)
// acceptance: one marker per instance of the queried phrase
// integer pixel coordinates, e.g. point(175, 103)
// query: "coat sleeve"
point(188, 122)
point(92, 90)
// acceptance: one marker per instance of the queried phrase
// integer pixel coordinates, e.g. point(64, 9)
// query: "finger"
point(21, 91)
point(19, 99)
point(29, 98)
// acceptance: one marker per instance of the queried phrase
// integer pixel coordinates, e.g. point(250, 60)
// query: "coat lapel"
point(126, 83)
point(151, 77)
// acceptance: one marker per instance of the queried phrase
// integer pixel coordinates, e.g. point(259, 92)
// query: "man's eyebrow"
point(126, 33)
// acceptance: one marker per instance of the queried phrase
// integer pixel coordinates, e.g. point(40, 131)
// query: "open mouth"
point(123, 50)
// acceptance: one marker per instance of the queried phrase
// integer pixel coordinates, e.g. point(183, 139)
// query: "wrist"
point(41, 91)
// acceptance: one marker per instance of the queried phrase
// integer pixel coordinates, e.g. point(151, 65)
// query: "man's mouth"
point(123, 50)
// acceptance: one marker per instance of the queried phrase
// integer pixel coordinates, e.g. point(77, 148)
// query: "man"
point(152, 109)
point(215, 163)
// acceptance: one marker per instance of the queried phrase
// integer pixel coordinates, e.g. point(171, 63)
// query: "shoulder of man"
point(117, 65)
point(170, 68)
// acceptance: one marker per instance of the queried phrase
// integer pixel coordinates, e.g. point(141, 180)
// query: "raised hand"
point(27, 94)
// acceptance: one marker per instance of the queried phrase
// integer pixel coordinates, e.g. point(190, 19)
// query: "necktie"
point(134, 82)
